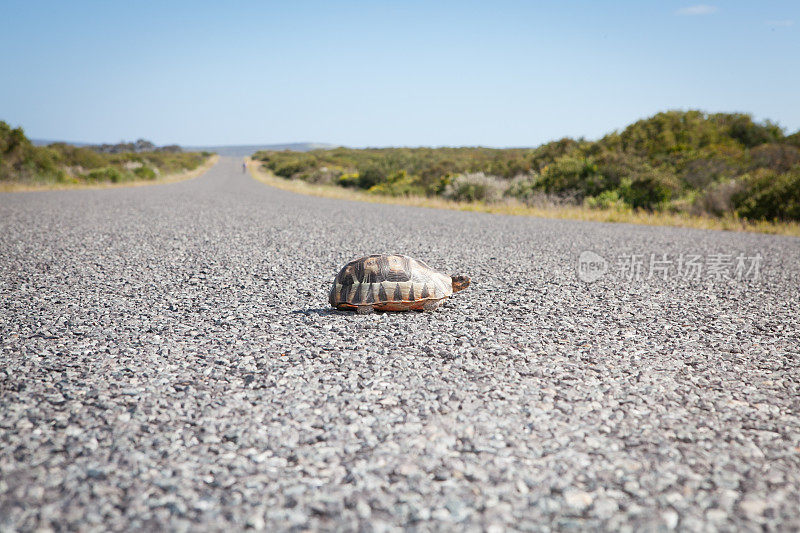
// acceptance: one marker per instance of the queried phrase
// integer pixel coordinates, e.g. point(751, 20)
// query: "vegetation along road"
point(168, 360)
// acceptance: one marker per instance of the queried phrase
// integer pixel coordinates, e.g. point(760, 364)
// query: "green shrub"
point(286, 164)
point(573, 174)
point(320, 176)
point(524, 186)
point(616, 165)
point(648, 190)
point(399, 184)
point(370, 176)
point(106, 174)
point(606, 200)
point(547, 154)
point(287, 169)
point(527, 188)
point(165, 162)
point(42, 161)
point(475, 187)
point(348, 179)
point(73, 156)
point(680, 131)
point(770, 196)
point(742, 128)
point(145, 173)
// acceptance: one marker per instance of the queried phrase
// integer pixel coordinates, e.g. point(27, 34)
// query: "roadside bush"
point(13, 142)
point(475, 187)
point(399, 184)
point(41, 161)
point(165, 162)
point(606, 200)
point(74, 156)
point(145, 173)
point(547, 154)
point(370, 177)
point(106, 174)
point(348, 179)
point(718, 199)
point(573, 174)
point(566, 173)
point(524, 186)
point(287, 165)
point(527, 189)
point(648, 190)
point(320, 176)
point(770, 196)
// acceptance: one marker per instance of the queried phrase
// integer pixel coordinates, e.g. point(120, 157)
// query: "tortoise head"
point(460, 282)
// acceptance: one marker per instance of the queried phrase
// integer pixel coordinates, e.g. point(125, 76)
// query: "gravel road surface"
point(168, 360)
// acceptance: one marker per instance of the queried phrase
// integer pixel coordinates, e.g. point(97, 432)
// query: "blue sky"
point(388, 73)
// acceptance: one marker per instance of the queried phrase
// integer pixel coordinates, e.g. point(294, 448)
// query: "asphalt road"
point(168, 360)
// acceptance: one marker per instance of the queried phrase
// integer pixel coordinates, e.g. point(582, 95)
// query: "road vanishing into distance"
point(169, 361)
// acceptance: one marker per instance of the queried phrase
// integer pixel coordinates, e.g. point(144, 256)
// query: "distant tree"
point(142, 145)
point(170, 148)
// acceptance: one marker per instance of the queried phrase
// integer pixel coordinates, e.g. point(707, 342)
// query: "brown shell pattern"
point(388, 283)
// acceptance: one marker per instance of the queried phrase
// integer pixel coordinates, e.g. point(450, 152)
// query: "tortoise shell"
point(389, 283)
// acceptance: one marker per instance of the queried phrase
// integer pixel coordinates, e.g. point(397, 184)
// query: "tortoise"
point(392, 282)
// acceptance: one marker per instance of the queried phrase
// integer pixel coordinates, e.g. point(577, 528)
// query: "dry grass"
point(169, 178)
point(513, 207)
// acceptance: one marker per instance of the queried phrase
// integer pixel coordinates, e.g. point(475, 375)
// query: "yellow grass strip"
point(168, 178)
point(514, 207)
